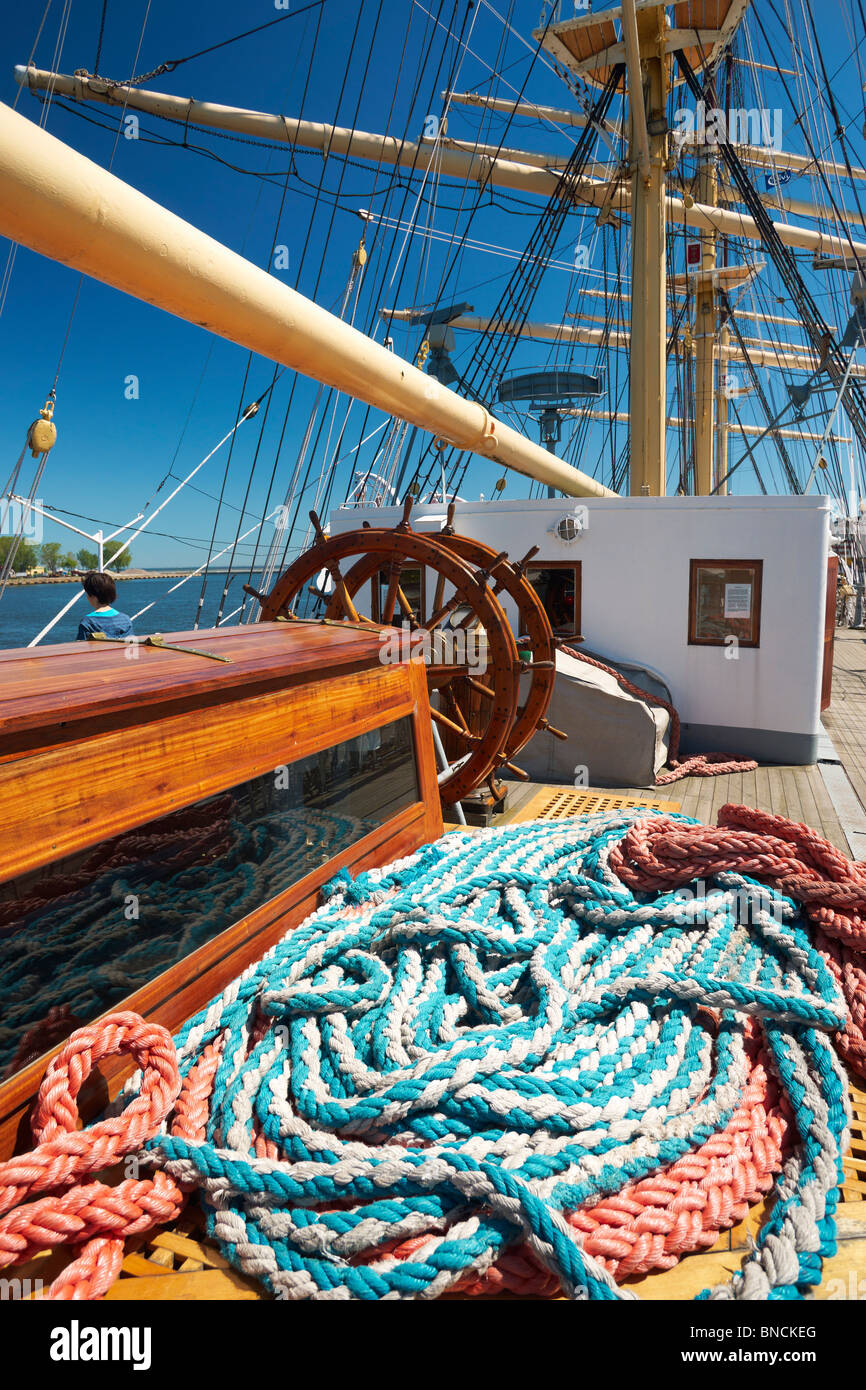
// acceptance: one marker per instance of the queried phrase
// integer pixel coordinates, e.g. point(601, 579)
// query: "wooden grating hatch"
point(557, 803)
point(853, 1187)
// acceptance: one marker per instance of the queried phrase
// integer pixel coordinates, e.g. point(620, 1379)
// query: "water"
point(26, 608)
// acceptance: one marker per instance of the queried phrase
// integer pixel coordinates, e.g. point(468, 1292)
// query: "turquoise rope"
point(488, 1035)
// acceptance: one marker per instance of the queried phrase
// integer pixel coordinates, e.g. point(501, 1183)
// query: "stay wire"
point(170, 64)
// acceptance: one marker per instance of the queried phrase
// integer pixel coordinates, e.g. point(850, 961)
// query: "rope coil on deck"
point(498, 1063)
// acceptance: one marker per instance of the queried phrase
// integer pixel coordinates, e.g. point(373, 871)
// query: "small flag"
point(693, 253)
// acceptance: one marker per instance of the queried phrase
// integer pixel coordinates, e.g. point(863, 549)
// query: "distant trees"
point(49, 554)
point(117, 558)
point(26, 555)
point(51, 557)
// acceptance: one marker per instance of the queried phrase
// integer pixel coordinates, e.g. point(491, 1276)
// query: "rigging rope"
point(490, 359)
point(509, 1060)
point(376, 291)
point(172, 63)
point(825, 346)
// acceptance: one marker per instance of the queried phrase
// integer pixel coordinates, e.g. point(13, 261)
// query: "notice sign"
point(725, 602)
point(738, 600)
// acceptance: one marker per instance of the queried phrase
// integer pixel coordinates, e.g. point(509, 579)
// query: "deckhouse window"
point(412, 588)
point(725, 602)
point(557, 583)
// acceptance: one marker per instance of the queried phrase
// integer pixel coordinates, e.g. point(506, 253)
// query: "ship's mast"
point(636, 37)
point(648, 88)
point(587, 46)
point(722, 414)
point(706, 324)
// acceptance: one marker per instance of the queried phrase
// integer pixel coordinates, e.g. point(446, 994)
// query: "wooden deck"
point(796, 792)
point(845, 720)
point(830, 797)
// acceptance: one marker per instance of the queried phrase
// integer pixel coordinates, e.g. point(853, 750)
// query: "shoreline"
point(69, 579)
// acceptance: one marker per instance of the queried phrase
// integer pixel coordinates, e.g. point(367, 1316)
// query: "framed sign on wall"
point(725, 602)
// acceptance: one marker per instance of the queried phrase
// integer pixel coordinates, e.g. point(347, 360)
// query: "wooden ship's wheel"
point(534, 635)
point(490, 685)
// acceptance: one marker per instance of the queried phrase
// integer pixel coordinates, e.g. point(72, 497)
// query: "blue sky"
point(113, 452)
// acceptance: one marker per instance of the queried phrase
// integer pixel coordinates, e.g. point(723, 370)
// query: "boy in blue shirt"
point(101, 591)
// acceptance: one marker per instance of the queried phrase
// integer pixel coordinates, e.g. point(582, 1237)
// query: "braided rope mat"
point(499, 1063)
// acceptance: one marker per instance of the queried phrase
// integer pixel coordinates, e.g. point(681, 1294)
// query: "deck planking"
point(845, 720)
point(799, 793)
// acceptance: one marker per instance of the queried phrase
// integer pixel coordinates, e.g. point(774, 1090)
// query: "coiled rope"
point(502, 1062)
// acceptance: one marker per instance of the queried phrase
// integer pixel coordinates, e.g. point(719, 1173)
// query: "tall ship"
point(464, 898)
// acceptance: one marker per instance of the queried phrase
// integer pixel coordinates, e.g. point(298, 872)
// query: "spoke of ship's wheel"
point(471, 619)
point(438, 617)
point(407, 610)
point(480, 687)
point(521, 564)
point(481, 578)
point(518, 772)
point(347, 607)
point(394, 572)
point(440, 591)
point(546, 726)
point(343, 595)
point(333, 568)
point(452, 700)
point(447, 723)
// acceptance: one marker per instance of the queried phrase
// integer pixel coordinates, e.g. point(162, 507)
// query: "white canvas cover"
point(620, 740)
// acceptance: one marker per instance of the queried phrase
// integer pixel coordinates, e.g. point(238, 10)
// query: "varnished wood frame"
point(694, 566)
point(536, 563)
point(185, 987)
point(148, 769)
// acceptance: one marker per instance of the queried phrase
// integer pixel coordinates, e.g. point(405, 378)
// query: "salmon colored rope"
point(659, 853)
point(93, 1215)
point(699, 764)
